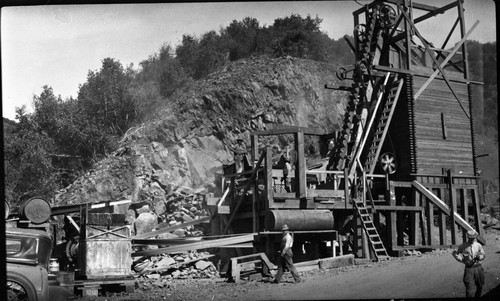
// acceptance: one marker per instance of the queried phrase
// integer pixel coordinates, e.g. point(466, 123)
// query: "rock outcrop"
point(184, 146)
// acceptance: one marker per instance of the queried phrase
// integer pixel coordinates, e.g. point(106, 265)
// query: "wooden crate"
point(106, 252)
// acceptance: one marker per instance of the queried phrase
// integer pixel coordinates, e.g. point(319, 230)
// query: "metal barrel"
point(36, 210)
point(299, 220)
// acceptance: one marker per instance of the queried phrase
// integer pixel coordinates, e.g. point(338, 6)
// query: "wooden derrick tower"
point(410, 117)
point(402, 166)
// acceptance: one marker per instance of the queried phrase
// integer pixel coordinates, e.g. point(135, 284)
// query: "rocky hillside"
point(184, 146)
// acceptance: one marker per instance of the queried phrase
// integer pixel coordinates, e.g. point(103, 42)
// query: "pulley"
point(386, 16)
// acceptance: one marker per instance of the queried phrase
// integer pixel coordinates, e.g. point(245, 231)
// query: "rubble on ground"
point(186, 265)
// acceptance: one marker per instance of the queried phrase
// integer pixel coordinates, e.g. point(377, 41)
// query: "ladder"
point(370, 230)
point(383, 126)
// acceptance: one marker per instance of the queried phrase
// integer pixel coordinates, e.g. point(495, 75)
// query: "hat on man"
point(471, 233)
point(285, 228)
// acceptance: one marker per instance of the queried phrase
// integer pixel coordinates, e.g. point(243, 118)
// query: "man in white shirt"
point(471, 253)
point(285, 260)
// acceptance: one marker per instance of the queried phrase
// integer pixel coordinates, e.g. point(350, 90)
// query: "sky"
point(57, 45)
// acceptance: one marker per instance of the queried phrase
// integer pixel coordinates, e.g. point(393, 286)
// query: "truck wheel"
point(20, 289)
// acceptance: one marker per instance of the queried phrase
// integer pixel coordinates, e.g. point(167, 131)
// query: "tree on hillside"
point(171, 73)
point(299, 37)
point(187, 54)
point(212, 54)
point(28, 166)
point(242, 37)
point(105, 98)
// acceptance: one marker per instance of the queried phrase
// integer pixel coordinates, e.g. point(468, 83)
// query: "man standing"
point(285, 259)
point(471, 253)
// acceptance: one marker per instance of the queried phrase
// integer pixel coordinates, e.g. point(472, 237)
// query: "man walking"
point(471, 253)
point(285, 259)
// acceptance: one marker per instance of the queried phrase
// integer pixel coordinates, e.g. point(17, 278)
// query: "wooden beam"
point(205, 219)
point(255, 213)
point(434, 12)
point(429, 212)
point(398, 208)
point(415, 5)
point(167, 241)
point(415, 200)
point(416, 247)
point(448, 57)
point(453, 206)
point(477, 213)
point(391, 196)
point(435, 60)
point(445, 208)
point(214, 243)
point(422, 74)
point(290, 129)
point(65, 209)
point(346, 187)
point(268, 167)
point(245, 189)
point(442, 222)
point(300, 167)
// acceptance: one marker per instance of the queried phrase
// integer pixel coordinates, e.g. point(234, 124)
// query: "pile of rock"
point(174, 209)
point(158, 213)
point(490, 222)
point(187, 265)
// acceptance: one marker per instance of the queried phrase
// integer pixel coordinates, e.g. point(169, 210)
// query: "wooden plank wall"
point(441, 144)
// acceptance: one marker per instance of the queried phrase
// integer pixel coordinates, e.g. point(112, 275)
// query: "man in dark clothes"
point(285, 260)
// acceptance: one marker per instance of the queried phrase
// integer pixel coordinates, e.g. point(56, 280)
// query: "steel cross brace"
point(111, 231)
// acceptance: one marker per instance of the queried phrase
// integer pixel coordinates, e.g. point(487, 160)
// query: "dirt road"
point(433, 275)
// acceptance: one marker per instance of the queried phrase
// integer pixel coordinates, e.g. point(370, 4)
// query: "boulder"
point(143, 209)
point(180, 232)
point(160, 207)
point(165, 262)
point(202, 264)
point(153, 276)
point(145, 223)
point(176, 273)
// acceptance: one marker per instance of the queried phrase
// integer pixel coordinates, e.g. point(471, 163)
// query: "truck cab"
point(27, 254)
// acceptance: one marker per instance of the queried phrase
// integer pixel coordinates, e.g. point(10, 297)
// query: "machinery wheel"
point(387, 16)
point(19, 289)
point(363, 66)
point(341, 73)
point(388, 163)
point(360, 32)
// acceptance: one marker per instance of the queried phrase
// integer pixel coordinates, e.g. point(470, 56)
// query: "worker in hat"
point(287, 172)
point(471, 253)
point(285, 260)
